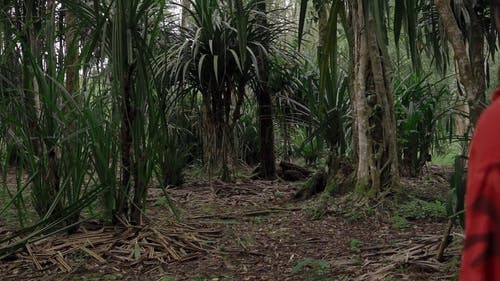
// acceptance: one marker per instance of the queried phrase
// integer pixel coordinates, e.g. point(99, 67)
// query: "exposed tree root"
point(313, 186)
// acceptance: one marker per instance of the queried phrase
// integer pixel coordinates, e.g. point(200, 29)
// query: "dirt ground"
point(254, 230)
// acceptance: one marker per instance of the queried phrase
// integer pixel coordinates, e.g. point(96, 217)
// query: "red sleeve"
point(481, 254)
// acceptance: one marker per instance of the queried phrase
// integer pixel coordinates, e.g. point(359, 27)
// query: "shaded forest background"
point(104, 101)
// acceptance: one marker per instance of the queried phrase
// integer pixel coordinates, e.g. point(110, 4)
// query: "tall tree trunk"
point(31, 98)
point(377, 166)
point(469, 57)
point(219, 153)
point(266, 128)
point(265, 107)
point(53, 151)
point(72, 56)
point(127, 119)
point(186, 4)
point(322, 29)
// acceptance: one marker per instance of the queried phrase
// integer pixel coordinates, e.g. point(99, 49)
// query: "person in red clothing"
point(481, 254)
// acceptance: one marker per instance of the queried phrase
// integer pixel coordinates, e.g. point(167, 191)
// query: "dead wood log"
point(287, 166)
point(287, 171)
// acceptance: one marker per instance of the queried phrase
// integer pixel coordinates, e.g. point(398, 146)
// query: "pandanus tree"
point(41, 132)
point(204, 57)
point(68, 143)
point(223, 54)
point(125, 32)
point(43, 117)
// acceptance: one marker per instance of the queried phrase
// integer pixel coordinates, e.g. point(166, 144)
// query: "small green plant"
point(318, 270)
point(355, 245)
point(197, 277)
point(399, 222)
point(162, 202)
point(167, 278)
point(354, 216)
point(172, 158)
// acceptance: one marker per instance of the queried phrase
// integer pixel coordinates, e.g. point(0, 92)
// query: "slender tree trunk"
point(265, 108)
point(72, 56)
point(72, 83)
point(53, 151)
point(127, 119)
point(377, 166)
point(286, 135)
point(461, 122)
point(31, 98)
point(469, 58)
point(322, 29)
point(186, 4)
point(266, 127)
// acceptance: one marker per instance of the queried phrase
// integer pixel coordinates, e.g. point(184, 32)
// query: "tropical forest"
point(239, 139)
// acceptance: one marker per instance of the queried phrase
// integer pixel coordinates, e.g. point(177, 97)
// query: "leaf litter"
point(246, 230)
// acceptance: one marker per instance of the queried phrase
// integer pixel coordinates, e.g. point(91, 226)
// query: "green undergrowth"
point(417, 209)
point(197, 173)
point(447, 155)
point(314, 269)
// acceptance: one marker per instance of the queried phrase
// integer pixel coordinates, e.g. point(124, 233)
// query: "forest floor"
point(255, 230)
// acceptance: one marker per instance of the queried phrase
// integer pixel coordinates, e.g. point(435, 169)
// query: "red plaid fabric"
point(481, 254)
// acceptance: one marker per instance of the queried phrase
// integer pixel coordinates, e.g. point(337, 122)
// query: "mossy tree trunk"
point(377, 163)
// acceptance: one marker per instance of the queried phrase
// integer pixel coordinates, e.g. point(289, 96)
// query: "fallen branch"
point(246, 214)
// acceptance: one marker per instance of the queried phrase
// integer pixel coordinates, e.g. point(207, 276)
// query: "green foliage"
point(50, 140)
point(355, 216)
point(420, 209)
point(447, 154)
point(219, 58)
point(355, 244)
point(399, 222)
point(416, 209)
point(162, 202)
point(329, 110)
point(325, 117)
point(247, 140)
point(68, 142)
point(317, 270)
point(173, 159)
point(419, 110)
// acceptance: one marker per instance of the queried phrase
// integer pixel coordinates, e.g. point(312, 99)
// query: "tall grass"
point(73, 148)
